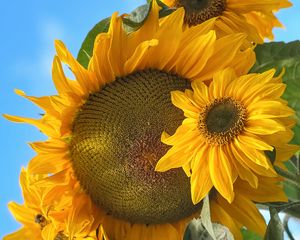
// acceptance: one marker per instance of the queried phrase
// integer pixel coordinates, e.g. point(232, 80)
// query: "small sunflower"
point(228, 127)
point(37, 223)
point(45, 216)
point(242, 212)
point(104, 127)
point(254, 17)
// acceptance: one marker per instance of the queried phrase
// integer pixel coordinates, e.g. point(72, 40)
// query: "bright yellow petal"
point(24, 234)
point(245, 212)
point(221, 172)
point(220, 82)
point(195, 55)
point(200, 180)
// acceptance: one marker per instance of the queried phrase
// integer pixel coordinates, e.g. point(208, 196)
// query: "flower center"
point(222, 120)
point(116, 145)
point(198, 11)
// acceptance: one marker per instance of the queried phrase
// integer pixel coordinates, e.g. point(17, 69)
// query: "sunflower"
point(256, 18)
point(228, 127)
point(37, 223)
point(44, 216)
point(242, 212)
point(104, 127)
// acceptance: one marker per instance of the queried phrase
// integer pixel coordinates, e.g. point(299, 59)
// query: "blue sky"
point(28, 29)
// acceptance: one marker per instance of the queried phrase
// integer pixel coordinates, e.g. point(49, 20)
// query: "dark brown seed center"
point(222, 120)
point(116, 145)
point(199, 11)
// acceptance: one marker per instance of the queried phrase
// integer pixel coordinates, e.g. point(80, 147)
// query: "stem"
point(298, 161)
point(290, 176)
point(294, 164)
point(279, 206)
point(286, 227)
point(287, 206)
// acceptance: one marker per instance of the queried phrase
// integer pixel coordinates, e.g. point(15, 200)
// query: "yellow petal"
point(86, 79)
point(100, 63)
point(39, 123)
point(244, 211)
point(268, 108)
point(268, 190)
point(243, 171)
point(252, 141)
point(201, 94)
point(221, 173)
point(24, 233)
point(62, 84)
point(200, 180)
point(139, 58)
point(263, 126)
point(195, 55)
point(221, 80)
point(254, 166)
point(22, 214)
point(180, 100)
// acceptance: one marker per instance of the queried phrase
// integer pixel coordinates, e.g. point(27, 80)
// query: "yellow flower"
point(228, 126)
point(104, 127)
point(242, 211)
point(44, 215)
point(254, 17)
point(35, 217)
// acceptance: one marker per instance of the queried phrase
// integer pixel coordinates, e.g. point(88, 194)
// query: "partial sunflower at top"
point(254, 17)
point(104, 127)
point(228, 127)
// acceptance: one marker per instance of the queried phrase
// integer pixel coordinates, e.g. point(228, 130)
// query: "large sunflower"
point(254, 17)
point(104, 128)
point(228, 127)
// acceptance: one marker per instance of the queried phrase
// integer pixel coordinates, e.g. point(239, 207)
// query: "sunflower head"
point(116, 145)
point(228, 127)
point(222, 120)
point(254, 17)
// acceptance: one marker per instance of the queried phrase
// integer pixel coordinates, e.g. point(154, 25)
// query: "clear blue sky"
point(28, 29)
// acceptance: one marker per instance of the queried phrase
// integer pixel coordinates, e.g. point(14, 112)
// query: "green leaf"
point(248, 235)
point(86, 50)
point(291, 190)
point(281, 55)
point(275, 228)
